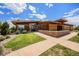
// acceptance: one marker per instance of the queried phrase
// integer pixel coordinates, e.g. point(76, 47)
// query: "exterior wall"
point(53, 27)
point(46, 26)
point(43, 26)
point(67, 27)
point(72, 28)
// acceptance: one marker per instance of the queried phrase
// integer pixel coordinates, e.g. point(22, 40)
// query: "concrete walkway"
point(71, 45)
point(40, 47)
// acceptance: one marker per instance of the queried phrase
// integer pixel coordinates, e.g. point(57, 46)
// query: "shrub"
point(13, 29)
point(77, 28)
point(17, 32)
point(78, 34)
point(2, 38)
point(7, 37)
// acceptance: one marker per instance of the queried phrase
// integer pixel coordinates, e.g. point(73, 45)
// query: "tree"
point(77, 28)
point(4, 28)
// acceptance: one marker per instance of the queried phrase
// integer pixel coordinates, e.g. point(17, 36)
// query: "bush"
point(78, 34)
point(77, 28)
point(2, 38)
point(24, 31)
point(1, 50)
point(17, 32)
point(7, 37)
point(13, 29)
point(4, 28)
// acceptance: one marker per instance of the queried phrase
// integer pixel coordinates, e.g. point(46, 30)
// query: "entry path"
point(40, 47)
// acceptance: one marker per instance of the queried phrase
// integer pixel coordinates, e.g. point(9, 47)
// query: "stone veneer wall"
point(55, 33)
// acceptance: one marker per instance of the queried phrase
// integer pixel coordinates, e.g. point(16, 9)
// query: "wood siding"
point(67, 27)
point(53, 27)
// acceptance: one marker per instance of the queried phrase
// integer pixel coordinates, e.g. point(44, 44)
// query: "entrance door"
point(33, 27)
point(59, 28)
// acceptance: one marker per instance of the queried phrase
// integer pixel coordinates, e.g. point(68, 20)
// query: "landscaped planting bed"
point(23, 40)
point(2, 38)
point(75, 39)
point(60, 50)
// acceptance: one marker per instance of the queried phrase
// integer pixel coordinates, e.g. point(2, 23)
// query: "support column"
point(16, 27)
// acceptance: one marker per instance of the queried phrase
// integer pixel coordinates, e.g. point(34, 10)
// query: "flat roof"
point(29, 21)
point(26, 22)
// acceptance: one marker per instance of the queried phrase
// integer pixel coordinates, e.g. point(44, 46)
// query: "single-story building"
point(56, 25)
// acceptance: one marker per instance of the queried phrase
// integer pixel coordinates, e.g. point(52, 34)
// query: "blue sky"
point(39, 11)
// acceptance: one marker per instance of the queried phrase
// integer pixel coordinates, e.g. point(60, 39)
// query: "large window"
point(43, 26)
point(59, 28)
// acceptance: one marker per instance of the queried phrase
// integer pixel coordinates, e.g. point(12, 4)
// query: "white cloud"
point(27, 19)
point(32, 8)
point(8, 13)
point(73, 20)
point(39, 16)
point(16, 8)
point(49, 4)
point(1, 12)
point(2, 7)
point(12, 18)
point(71, 13)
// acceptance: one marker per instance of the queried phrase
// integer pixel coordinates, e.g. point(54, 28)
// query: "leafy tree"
point(5, 28)
point(77, 28)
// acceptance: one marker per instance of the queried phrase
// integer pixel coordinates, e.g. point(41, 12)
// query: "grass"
point(23, 40)
point(60, 50)
point(75, 39)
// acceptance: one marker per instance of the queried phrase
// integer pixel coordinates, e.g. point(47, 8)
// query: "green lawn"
point(60, 50)
point(75, 39)
point(23, 40)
